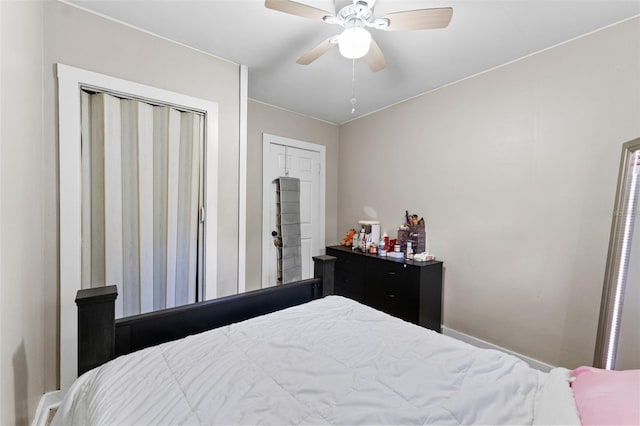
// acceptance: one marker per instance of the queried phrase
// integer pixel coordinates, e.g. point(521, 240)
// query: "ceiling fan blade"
point(317, 51)
point(375, 58)
point(298, 9)
point(421, 19)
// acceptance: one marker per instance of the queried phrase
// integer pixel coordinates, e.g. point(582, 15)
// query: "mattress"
point(329, 361)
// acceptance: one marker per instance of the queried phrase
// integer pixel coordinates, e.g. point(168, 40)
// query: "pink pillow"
point(607, 397)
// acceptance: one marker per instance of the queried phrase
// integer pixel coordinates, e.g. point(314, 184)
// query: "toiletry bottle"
point(382, 251)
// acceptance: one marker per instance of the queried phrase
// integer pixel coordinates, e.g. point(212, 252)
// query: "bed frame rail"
point(101, 337)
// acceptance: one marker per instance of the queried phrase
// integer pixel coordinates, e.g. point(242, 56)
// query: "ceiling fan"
point(355, 41)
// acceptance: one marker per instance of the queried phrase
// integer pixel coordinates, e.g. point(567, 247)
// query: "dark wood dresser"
point(402, 288)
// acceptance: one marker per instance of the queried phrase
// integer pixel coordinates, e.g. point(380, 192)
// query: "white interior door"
point(305, 161)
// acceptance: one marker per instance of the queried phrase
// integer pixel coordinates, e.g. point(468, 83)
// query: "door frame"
point(70, 81)
point(267, 139)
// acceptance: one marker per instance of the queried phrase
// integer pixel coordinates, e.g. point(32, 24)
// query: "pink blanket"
point(607, 397)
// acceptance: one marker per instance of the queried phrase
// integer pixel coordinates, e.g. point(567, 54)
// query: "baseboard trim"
point(533, 363)
point(47, 401)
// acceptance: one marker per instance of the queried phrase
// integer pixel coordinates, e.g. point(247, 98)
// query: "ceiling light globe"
point(354, 42)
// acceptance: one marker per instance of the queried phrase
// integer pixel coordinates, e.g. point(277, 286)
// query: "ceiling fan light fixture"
point(354, 42)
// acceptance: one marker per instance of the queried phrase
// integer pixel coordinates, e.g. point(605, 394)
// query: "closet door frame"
point(70, 81)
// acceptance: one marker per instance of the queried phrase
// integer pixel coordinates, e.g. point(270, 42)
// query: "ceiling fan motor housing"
point(357, 14)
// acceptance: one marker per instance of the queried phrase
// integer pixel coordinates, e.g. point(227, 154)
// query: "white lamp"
point(354, 42)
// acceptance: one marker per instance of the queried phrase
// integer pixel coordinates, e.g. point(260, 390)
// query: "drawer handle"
point(391, 273)
point(390, 295)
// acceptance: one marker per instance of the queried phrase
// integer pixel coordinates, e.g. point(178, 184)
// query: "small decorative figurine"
point(348, 239)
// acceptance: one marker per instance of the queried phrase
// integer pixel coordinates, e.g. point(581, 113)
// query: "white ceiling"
point(482, 35)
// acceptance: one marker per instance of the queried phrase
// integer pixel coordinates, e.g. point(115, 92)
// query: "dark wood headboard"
point(101, 337)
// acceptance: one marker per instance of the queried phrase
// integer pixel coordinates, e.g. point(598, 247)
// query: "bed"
point(326, 360)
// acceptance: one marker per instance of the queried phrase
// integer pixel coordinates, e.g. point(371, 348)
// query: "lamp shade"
point(354, 42)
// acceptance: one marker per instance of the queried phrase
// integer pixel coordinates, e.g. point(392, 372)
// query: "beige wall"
point(515, 172)
point(36, 36)
point(25, 281)
point(261, 119)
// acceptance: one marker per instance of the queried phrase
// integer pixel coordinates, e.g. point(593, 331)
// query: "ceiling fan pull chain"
point(353, 87)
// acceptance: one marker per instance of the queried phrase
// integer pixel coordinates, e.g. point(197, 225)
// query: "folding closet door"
point(142, 168)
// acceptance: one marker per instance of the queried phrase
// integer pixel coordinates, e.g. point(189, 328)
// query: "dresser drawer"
point(349, 275)
point(387, 272)
point(405, 289)
point(393, 288)
point(349, 284)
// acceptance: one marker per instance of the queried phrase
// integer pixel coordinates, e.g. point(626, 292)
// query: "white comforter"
point(329, 361)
